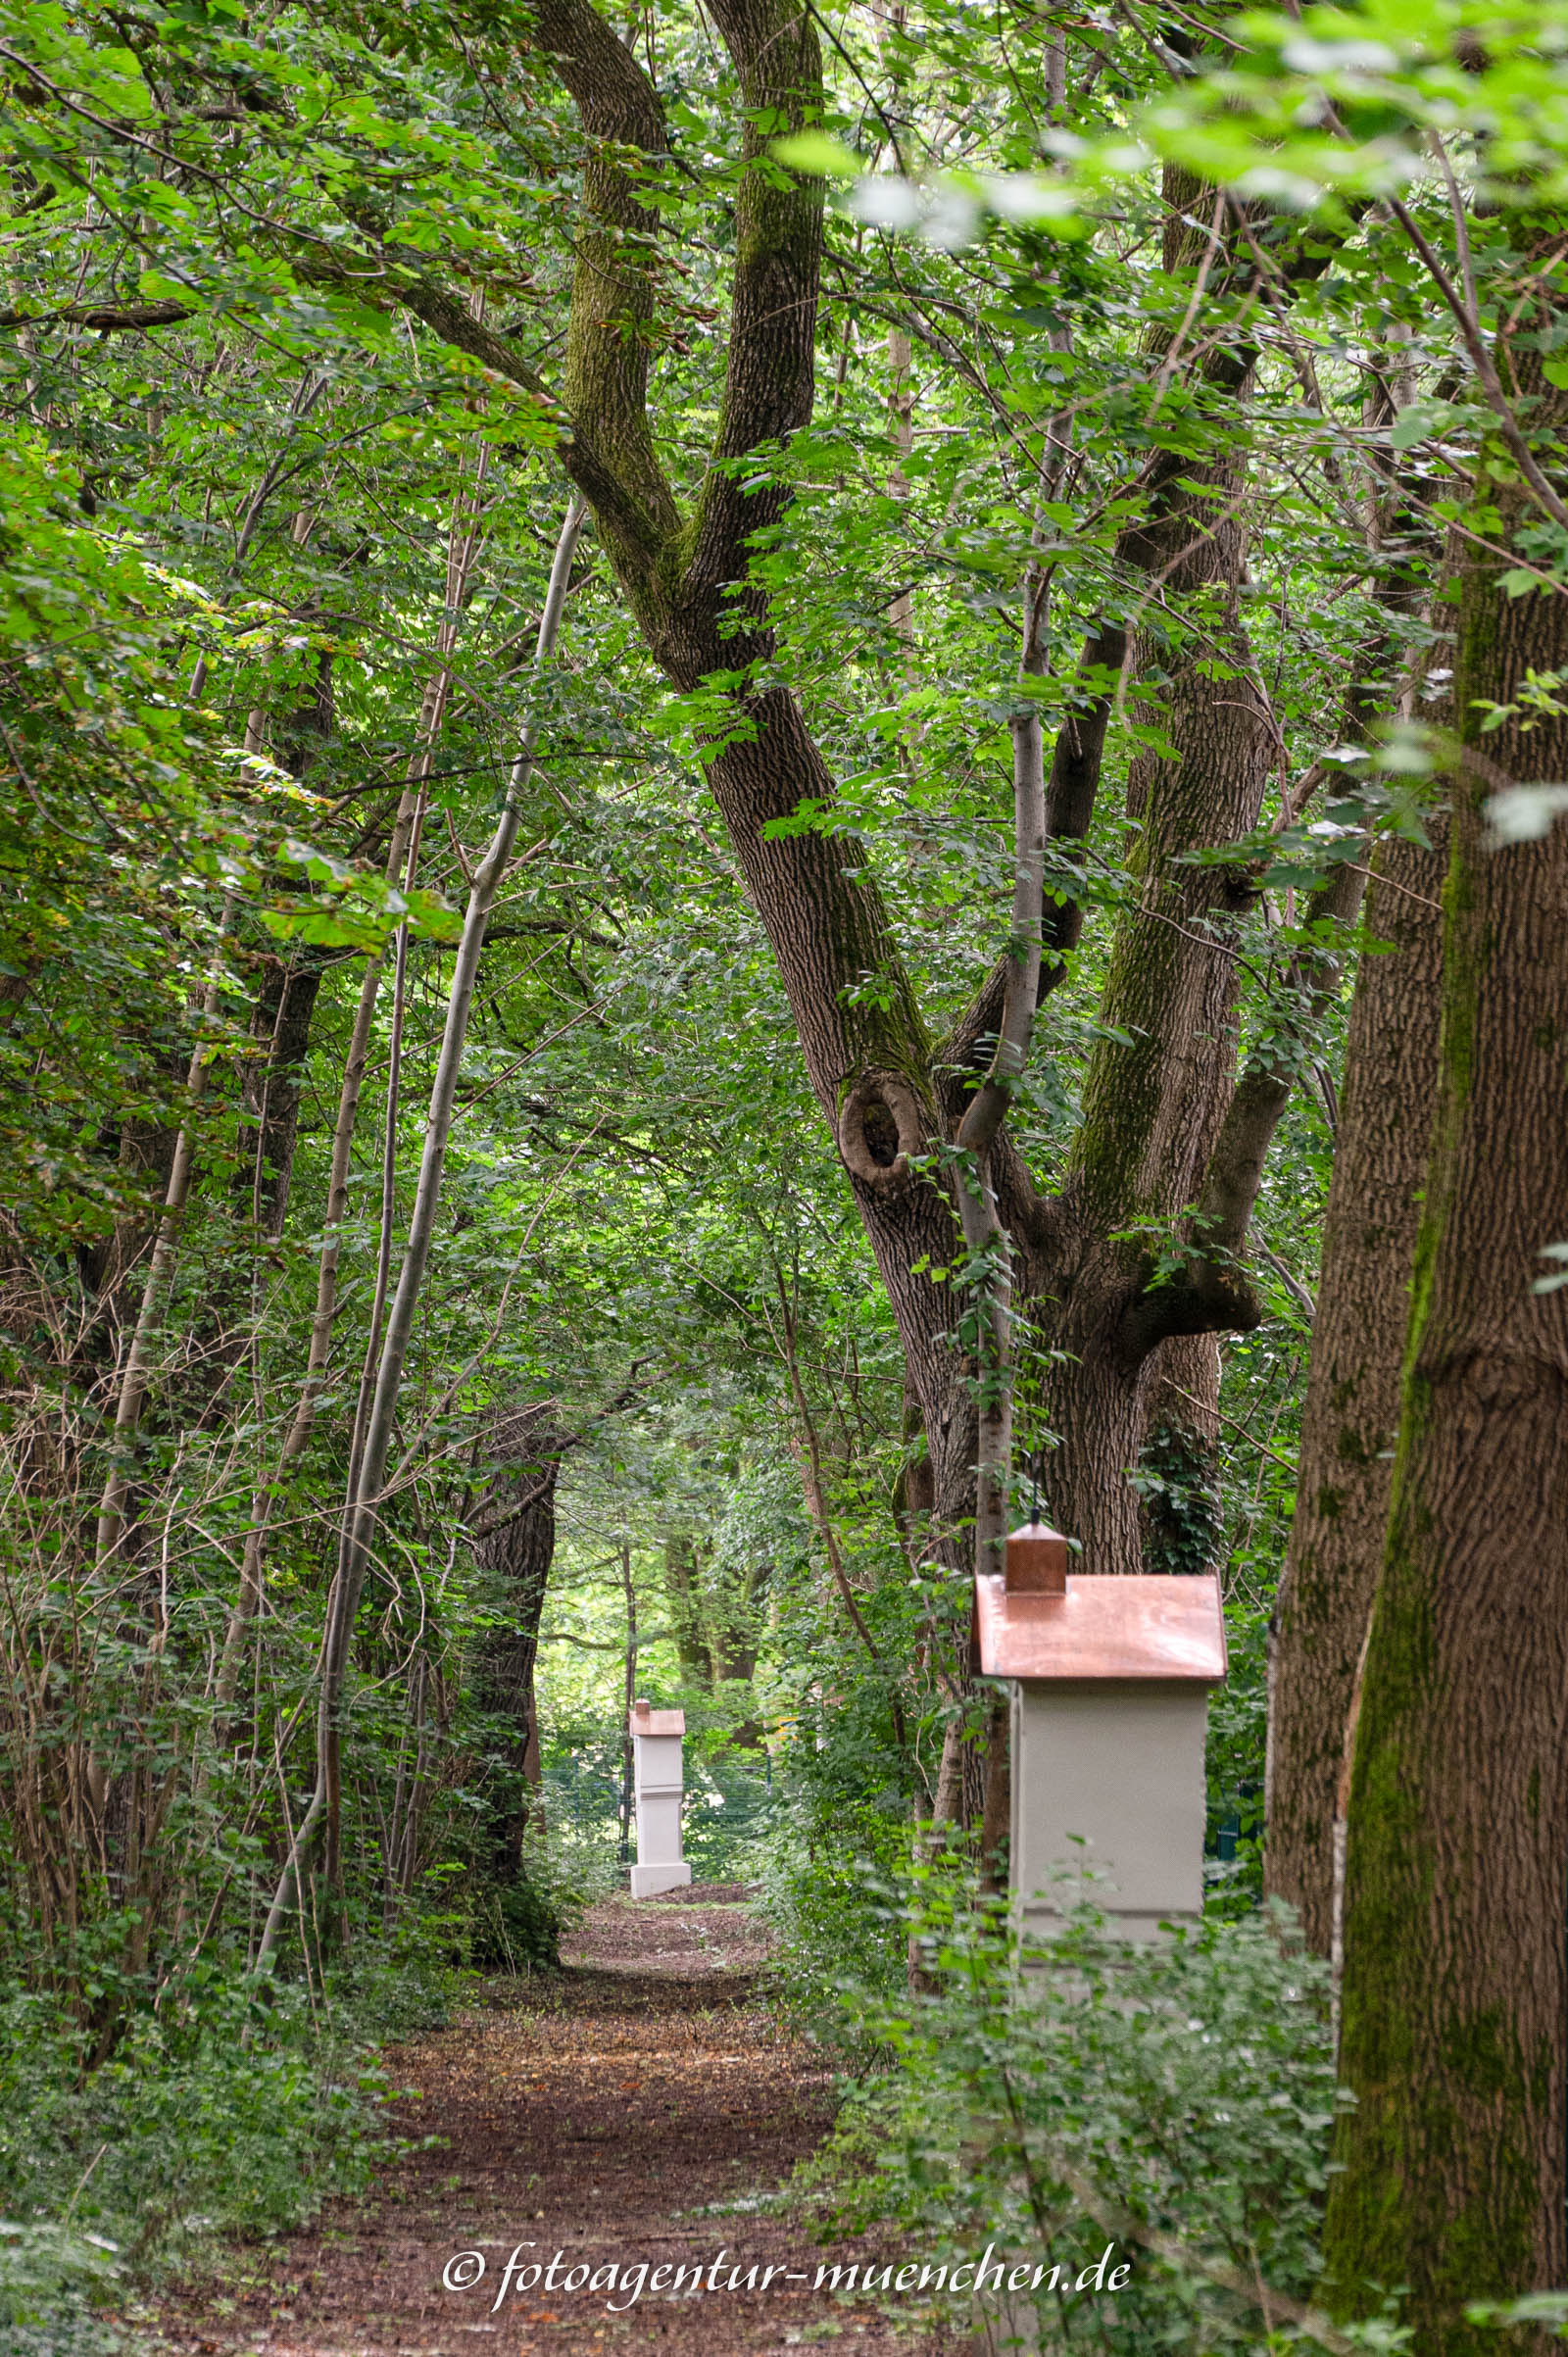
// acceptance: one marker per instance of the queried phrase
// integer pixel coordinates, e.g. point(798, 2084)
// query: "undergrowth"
point(1162, 2109)
point(232, 2111)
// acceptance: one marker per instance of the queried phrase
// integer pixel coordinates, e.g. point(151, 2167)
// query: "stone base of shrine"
point(647, 1882)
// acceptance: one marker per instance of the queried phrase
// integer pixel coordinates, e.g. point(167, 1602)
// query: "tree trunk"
point(1452, 2173)
point(144, 1153)
point(1353, 1394)
point(463, 543)
point(1160, 1085)
point(737, 1609)
point(519, 1550)
point(138, 1368)
point(868, 1056)
point(628, 1696)
point(1156, 1096)
point(1318, 1630)
point(683, 1588)
point(1177, 1472)
point(285, 1007)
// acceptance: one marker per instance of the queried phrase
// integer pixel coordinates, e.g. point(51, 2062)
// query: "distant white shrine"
point(657, 1784)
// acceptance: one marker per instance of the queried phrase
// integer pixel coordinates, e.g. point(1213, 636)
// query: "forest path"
point(633, 2109)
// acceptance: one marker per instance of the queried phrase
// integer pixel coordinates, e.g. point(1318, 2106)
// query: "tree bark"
point(682, 1586)
point(136, 1375)
point(519, 1552)
point(1317, 1633)
point(285, 1005)
point(286, 1000)
point(1177, 1469)
point(1451, 2167)
point(1351, 1414)
point(628, 1696)
point(462, 545)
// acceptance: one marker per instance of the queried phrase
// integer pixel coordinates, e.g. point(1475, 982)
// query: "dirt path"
point(631, 2113)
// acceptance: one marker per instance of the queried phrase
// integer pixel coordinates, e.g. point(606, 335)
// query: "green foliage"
point(826, 1890)
point(234, 2109)
point(1238, 1734)
point(728, 1832)
point(51, 2278)
point(516, 1925)
point(517, 1928)
point(1175, 1477)
point(1175, 2098)
point(1537, 2308)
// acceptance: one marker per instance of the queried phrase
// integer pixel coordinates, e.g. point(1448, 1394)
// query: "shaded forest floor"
point(638, 2107)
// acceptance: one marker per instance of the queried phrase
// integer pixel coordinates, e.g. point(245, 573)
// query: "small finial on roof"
point(1036, 1561)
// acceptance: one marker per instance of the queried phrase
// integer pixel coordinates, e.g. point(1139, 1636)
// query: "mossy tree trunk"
point(285, 1004)
point(1382, 1141)
point(1351, 1414)
point(1454, 1992)
point(285, 1007)
point(684, 1590)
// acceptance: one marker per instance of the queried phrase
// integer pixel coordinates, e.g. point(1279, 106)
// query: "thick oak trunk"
point(1352, 1395)
point(1159, 1094)
point(890, 1095)
point(867, 1053)
point(1454, 1990)
point(683, 1592)
point(285, 1002)
point(1178, 1466)
point(1163, 1075)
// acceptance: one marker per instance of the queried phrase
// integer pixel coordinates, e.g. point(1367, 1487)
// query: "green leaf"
point(1420, 420)
point(814, 152)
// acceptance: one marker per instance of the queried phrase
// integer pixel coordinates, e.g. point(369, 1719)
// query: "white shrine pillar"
point(1112, 1679)
point(657, 1784)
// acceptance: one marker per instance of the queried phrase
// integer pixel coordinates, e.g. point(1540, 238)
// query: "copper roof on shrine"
point(1141, 1625)
point(645, 1720)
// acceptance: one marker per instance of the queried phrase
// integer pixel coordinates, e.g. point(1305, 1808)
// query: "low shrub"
point(232, 2109)
point(832, 1898)
point(1175, 2100)
point(518, 1926)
